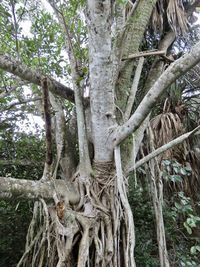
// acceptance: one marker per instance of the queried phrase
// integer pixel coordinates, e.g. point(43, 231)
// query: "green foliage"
point(191, 222)
point(14, 222)
point(195, 250)
point(146, 253)
point(180, 221)
point(180, 218)
point(15, 214)
point(174, 171)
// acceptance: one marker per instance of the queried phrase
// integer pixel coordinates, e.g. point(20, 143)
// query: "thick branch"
point(15, 67)
point(162, 149)
point(130, 43)
point(129, 257)
point(174, 71)
point(11, 187)
point(156, 70)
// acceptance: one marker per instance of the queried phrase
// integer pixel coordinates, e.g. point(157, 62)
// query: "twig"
point(21, 103)
point(11, 89)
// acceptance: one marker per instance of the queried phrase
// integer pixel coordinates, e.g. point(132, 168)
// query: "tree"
point(82, 216)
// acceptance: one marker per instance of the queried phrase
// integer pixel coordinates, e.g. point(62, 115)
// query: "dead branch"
point(47, 119)
point(145, 54)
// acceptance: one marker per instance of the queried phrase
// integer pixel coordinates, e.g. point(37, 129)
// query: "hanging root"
point(128, 226)
point(37, 236)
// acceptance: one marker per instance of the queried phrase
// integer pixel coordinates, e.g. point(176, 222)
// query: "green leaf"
point(189, 230)
point(175, 178)
point(191, 222)
point(166, 162)
point(178, 206)
point(183, 171)
point(193, 250)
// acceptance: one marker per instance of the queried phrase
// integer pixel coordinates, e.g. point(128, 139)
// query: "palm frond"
point(176, 16)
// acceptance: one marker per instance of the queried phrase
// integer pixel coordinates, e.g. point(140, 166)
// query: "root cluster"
point(95, 232)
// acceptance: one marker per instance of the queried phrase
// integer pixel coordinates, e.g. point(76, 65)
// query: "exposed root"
point(92, 233)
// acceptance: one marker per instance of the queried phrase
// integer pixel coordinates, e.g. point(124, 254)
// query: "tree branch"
point(76, 66)
point(29, 189)
point(20, 103)
point(17, 68)
point(47, 119)
point(134, 88)
point(10, 89)
point(144, 54)
point(162, 149)
point(174, 71)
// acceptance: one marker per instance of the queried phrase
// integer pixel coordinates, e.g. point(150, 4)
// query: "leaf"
point(193, 250)
point(166, 162)
point(191, 222)
point(175, 178)
point(189, 230)
point(183, 171)
point(178, 206)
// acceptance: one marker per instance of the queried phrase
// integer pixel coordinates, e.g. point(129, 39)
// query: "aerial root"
point(92, 233)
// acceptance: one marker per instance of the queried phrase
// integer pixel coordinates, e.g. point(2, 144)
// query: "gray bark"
point(12, 188)
point(101, 76)
point(17, 68)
